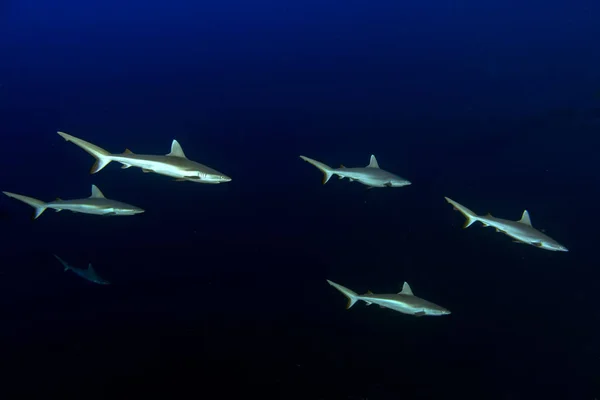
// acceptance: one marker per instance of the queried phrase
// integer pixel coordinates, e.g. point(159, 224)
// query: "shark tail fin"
point(325, 169)
point(62, 262)
point(103, 157)
point(352, 296)
point(38, 205)
point(469, 215)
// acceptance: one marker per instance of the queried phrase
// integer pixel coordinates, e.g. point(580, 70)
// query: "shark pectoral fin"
point(368, 303)
point(125, 166)
point(341, 177)
point(146, 170)
point(419, 314)
point(58, 209)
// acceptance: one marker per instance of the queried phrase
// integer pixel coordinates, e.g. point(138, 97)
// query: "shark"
point(371, 175)
point(96, 204)
point(88, 273)
point(404, 301)
point(174, 164)
point(521, 231)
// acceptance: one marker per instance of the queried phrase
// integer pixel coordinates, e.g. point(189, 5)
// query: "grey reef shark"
point(404, 301)
point(88, 273)
point(520, 231)
point(96, 204)
point(174, 164)
point(371, 175)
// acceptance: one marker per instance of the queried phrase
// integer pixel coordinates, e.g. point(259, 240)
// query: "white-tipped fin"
point(525, 218)
point(176, 150)
point(324, 168)
point(96, 193)
point(352, 296)
point(373, 162)
point(468, 214)
point(38, 205)
point(406, 289)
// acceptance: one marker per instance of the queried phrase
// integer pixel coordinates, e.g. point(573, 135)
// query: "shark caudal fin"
point(352, 296)
point(325, 169)
point(469, 215)
point(62, 262)
point(103, 157)
point(38, 205)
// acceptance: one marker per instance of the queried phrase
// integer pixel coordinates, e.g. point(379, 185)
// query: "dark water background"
point(219, 291)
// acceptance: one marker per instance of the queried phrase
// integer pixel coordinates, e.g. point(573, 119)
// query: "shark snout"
point(133, 211)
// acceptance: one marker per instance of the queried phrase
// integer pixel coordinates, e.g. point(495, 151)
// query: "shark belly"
point(360, 177)
point(157, 167)
point(395, 305)
point(80, 208)
point(518, 233)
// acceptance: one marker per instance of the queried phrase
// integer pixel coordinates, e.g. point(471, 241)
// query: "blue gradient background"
point(220, 290)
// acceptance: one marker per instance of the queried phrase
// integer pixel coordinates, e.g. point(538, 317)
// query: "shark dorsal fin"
point(176, 150)
point(369, 292)
point(58, 199)
point(96, 193)
point(525, 218)
point(90, 270)
point(127, 151)
point(406, 289)
point(373, 162)
point(342, 166)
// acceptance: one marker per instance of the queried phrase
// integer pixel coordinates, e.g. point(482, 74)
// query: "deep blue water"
point(219, 291)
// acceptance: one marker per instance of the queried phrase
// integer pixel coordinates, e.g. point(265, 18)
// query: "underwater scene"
point(300, 199)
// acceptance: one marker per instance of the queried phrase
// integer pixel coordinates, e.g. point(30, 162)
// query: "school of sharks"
point(175, 164)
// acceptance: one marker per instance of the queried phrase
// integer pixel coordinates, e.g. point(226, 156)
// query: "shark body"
point(521, 231)
point(174, 164)
point(405, 301)
point(88, 273)
point(371, 175)
point(96, 204)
